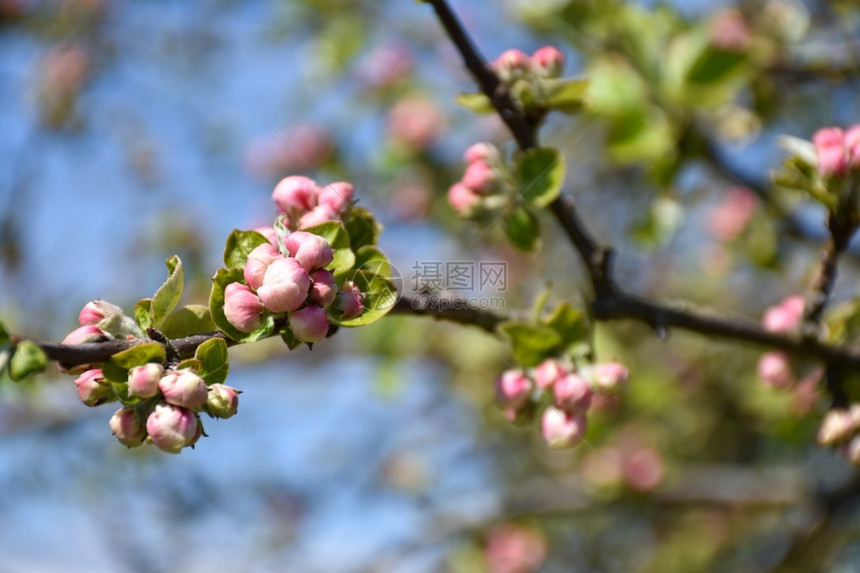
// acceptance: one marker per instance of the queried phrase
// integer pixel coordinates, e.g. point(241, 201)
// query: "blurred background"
point(131, 131)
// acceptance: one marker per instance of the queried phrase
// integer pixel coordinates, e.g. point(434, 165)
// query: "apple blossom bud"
point(852, 144)
point(127, 428)
point(323, 288)
point(270, 233)
point(258, 261)
point(295, 194)
point(561, 429)
point(481, 151)
point(84, 334)
point(317, 216)
point(348, 301)
point(548, 62)
point(572, 394)
point(785, 316)
point(311, 251)
point(513, 389)
point(285, 286)
point(336, 195)
point(479, 177)
point(171, 428)
point(609, 375)
point(462, 199)
point(547, 372)
point(830, 147)
point(222, 401)
point(839, 425)
point(93, 389)
point(774, 369)
point(96, 311)
point(183, 388)
point(511, 64)
point(309, 324)
point(143, 380)
point(242, 308)
point(643, 469)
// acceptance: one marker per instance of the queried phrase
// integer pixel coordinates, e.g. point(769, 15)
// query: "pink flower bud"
point(479, 177)
point(183, 388)
point(572, 394)
point(242, 308)
point(270, 234)
point(323, 288)
point(512, 64)
point(839, 425)
point(463, 199)
point(561, 429)
point(336, 195)
point(852, 143)
point(222, 401)
point(547, 372)
point(643, 469)
point(774, 369)
point(311, 251)
point(348, 301)
point(295, 194)
point(785, 316)
point(127, 428)
point(84, 334)
point(172, 428)
point(96, 311)
point(258, 261)
point(830, 146)
point(481, 151)
point(309, 324)
point(317, 216)
point(143, 380)
point(609, 375)
point(513, 389)
point(548, 62)
point(93, 389)
point(285, 286)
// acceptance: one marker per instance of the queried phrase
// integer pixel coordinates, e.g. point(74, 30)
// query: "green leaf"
point(167, 296)
point(4, 334)
point(143, 314)
point(380, 295)
point(239, 245)
point(532, 344)
point(27, 359)
point(569, 323)
point(216, 308)
point(6, 351)
point(188, 320)
point(289, 339)
point(336, 236)
point(214, 361)
point(362, 228)
point(566, 95)
point(117, 367)
point(641, 136)
point(479, 103)
point(541, 176)
point(714, 65)
point(372, 260)
point(521, 227)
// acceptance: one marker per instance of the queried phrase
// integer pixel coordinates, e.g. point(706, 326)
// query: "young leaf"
point(239, 245)
point(4, 334)
point(541, 176)
point(167, 296)
point(569, 323)
point(479, 103)
point(532, 344)
point(143, 314)
point(380, 295)
point(188, 320)
point(522, 228)
point(362, 228)
point(372, 260)
point(714, 65)
point(567, 95)
point(190, 364)
point(117, 367)
point(289, 339)
point(214, 361)
point(27, 359)
point(216, 308)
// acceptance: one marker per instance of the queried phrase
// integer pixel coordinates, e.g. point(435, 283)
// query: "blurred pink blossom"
point(514, 549)
point(732, 215)
point(416, 123)
point(298, 148)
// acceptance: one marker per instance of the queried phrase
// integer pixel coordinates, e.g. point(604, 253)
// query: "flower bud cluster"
point(294, 282)
point(566, 391)
point(487, 183)
point(841, 428)
point(304, 204)
point(838, 151)
point(530, 79)
point(774, 368)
